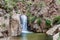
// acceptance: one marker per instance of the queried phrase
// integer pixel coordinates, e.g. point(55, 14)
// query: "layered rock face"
point(9, 27)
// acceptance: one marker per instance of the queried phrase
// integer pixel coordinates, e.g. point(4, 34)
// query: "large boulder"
point(15, 25)
point(52, 30)
point(55, 37)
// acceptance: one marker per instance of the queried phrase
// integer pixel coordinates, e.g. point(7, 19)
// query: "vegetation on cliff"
point(36, 11)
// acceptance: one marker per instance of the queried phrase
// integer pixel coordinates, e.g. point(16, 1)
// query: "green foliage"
point(48, 22)
point(3, 25)
point(56, 20)
point(32, 19)
point(39, 21)
point(29, 14)
point(9, 4)
point(29, 3)
point(58, 2)
point(10, 14)
point(42, 4)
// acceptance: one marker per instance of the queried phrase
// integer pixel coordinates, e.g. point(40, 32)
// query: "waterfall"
point(24, 23)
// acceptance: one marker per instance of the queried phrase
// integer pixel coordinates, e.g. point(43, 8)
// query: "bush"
point(28, 14)
point(9, 5)
point(38, 21)
point(32, 19)
point(56, 20)
point(48, 22)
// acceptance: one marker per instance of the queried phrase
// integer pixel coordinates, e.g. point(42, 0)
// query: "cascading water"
point(24, 23)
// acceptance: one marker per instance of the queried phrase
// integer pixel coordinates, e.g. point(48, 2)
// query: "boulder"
point(1, 35)
point(36, 28)
point(55, 37)
point(15, 25)
point(52, 30)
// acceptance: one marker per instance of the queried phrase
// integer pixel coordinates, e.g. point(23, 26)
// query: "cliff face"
point(8, 27)
point(41, 14)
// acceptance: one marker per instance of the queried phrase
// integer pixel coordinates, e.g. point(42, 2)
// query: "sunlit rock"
point(52, 30)
point(56, 36)
point(15, 25)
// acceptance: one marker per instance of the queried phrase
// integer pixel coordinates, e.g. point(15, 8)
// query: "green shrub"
point(48, 22)
point(9, 5)
point(32, 19)
point(38, 21)
point(58, 2)
point(28, 14)
point(56, 20)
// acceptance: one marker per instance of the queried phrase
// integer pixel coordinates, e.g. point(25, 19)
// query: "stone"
point(1, 35)
point(52, 30)
point(55, 37)
point(36, 28)
point(43, 24)
point(2, 12)
point(15, 25)
point(45, 30)
point(3, 32)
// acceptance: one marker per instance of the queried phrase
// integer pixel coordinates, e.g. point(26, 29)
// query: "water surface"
point(32, 36)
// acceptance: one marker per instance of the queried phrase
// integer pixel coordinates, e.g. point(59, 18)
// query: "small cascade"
point(24, 24)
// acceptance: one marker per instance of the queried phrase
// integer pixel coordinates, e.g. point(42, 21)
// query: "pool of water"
point(29, 36)
point(32, 36)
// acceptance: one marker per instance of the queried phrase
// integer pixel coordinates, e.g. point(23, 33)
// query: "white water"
point(24, 24)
